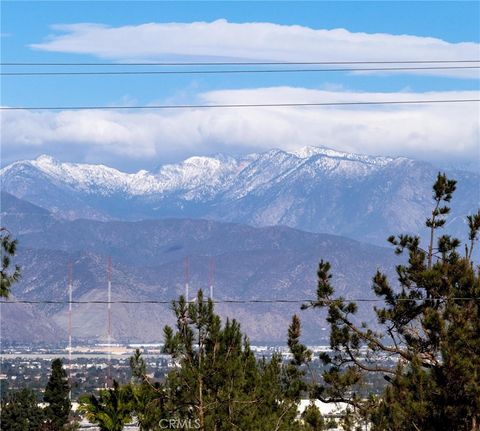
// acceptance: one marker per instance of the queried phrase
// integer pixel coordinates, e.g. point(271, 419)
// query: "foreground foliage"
point(8, 247)
point(216, 384)
point(429, 323)
point(111, 410)
point(20, 409)
point(57, 396)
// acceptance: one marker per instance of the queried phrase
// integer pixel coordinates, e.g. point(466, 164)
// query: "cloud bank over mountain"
point(434, 132)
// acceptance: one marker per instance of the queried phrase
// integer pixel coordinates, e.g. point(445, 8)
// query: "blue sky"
point(394, 30)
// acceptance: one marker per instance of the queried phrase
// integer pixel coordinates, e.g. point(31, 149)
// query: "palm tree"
point(112, 410)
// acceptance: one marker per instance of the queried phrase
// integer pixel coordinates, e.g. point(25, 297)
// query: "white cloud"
point(251, 41)
point(140, 138)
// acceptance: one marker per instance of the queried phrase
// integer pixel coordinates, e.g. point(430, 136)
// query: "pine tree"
point(57, 396)
point(8, 248)
point(218, 384)
point(148, 403)
point(20, 411)
point(429, 323)
point(312, 419)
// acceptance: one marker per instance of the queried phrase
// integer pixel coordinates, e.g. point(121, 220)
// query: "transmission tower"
point(187, 278)
point(211, 276)
point(70, 288)
point(109, 311)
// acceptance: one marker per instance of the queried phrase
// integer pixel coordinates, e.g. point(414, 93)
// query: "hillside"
point(148, 264)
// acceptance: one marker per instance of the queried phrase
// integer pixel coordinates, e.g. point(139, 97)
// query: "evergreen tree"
point(312, 419)
point(218, 384)
point(429, 323)
point(8, 247)
point(148, 402)
point(57, 396)
point(19, 411)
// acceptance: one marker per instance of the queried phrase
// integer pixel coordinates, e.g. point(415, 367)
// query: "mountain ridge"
point(313, 189)
point(81, 174)
point(148, 264)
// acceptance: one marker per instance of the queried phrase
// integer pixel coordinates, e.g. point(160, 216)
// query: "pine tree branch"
point(337, 400)
point(282, 415)
point(403, 353)
point(365, 367)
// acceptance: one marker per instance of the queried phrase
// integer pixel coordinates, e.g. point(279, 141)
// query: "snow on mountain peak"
point(45, 159)
point(307, 152)
point(82, 176)
point(201, 177)
point(198, 177)
point(202, 161)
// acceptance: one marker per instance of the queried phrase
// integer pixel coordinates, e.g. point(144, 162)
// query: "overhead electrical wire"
point(235, 71)
point(234, 301)
point(239, 71)
point(238, 63)
point(233, 105)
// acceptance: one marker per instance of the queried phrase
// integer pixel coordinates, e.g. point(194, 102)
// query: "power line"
point(235, 71)
point(234, 301)
point(239, 63)
point(246, 105)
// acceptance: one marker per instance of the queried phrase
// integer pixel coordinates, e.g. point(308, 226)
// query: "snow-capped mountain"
point(195, 175)
point(316, 189)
